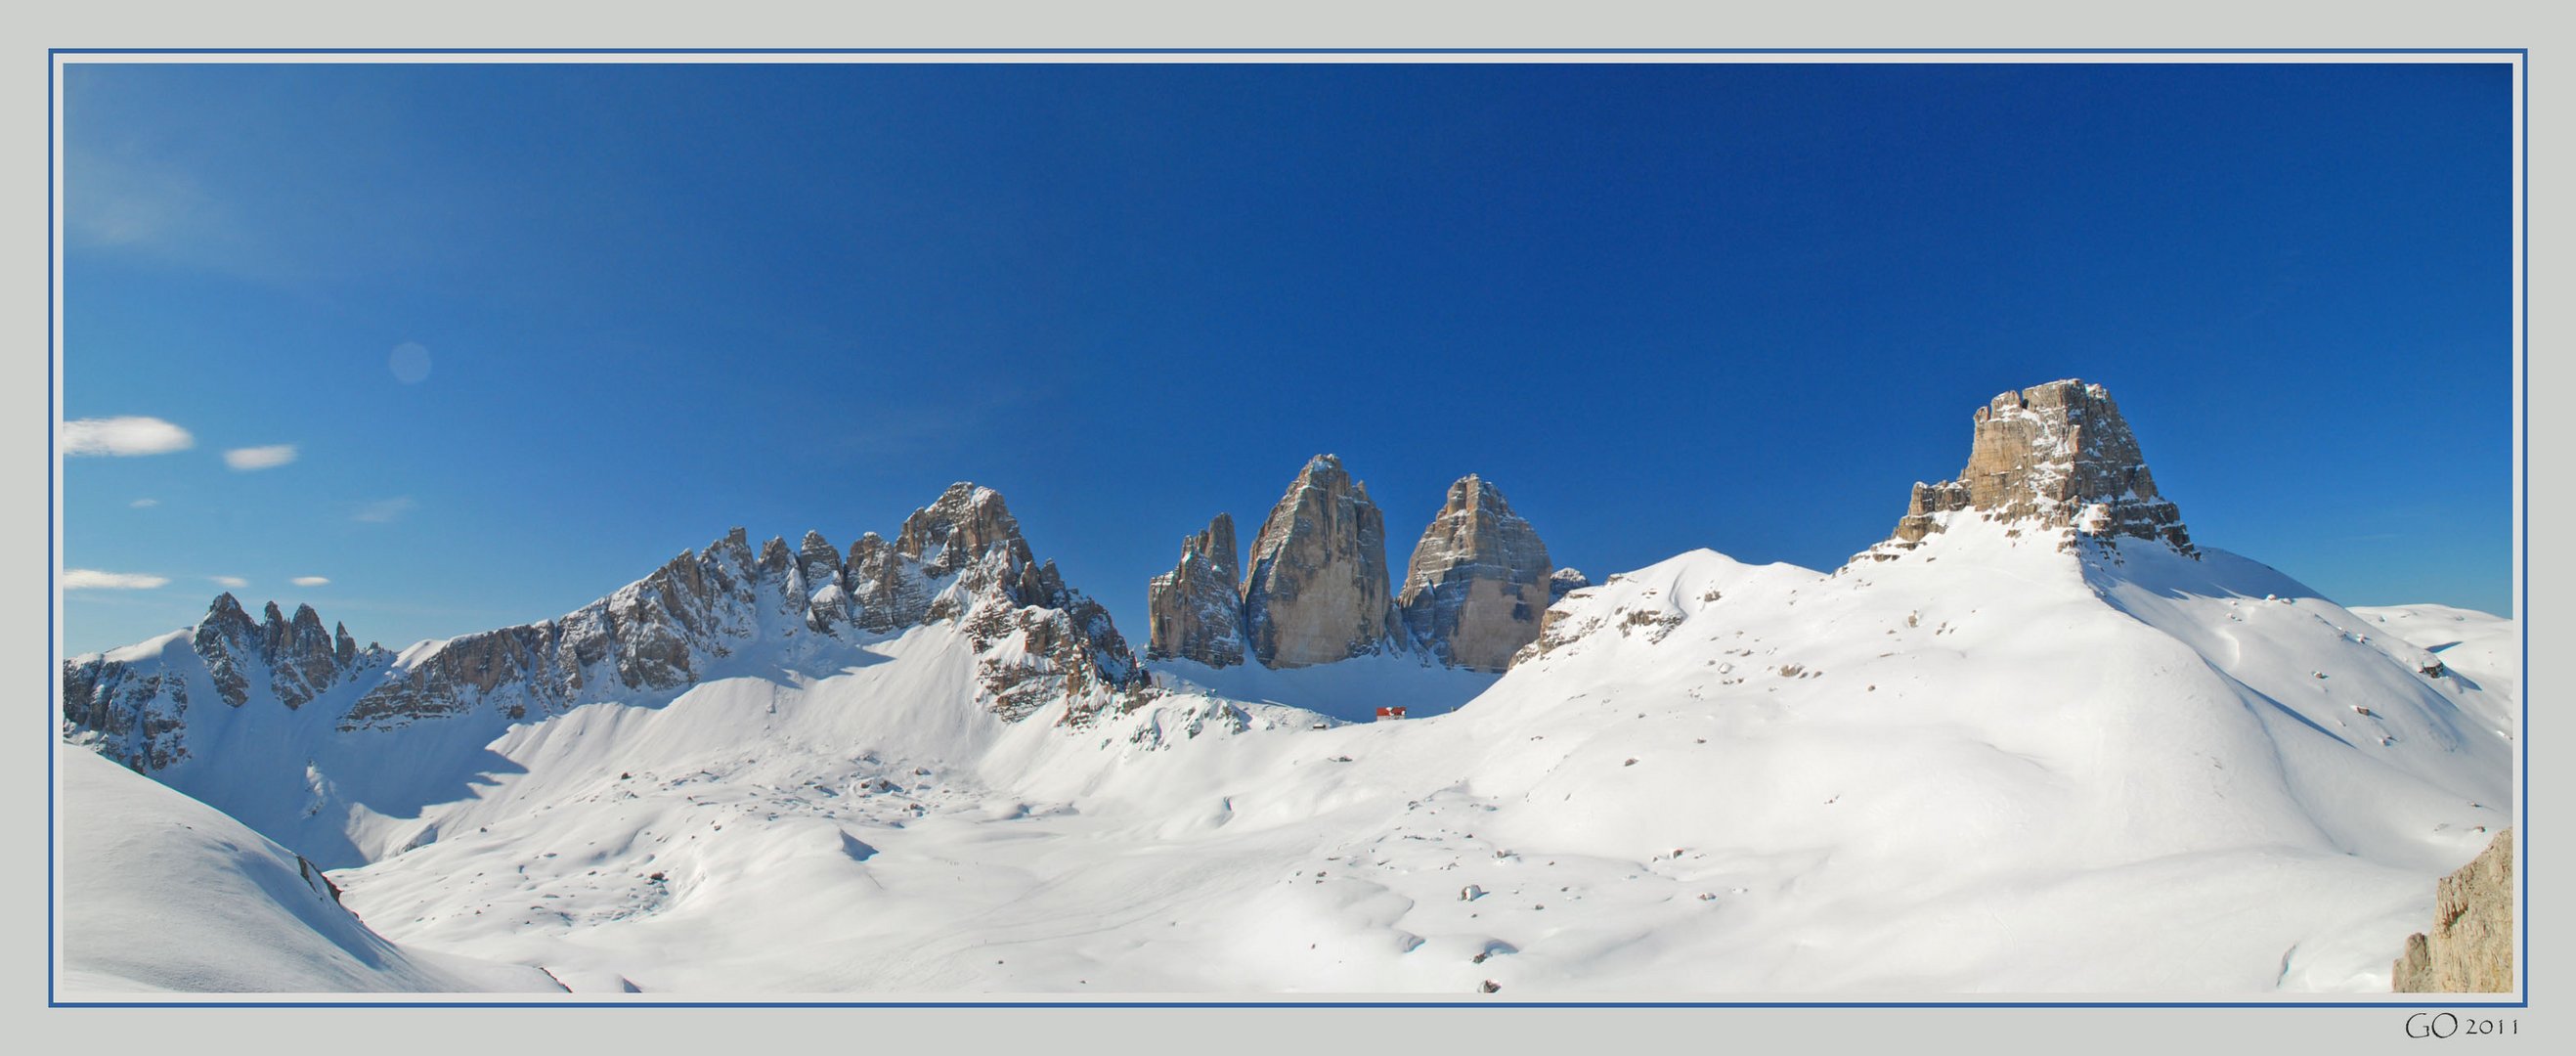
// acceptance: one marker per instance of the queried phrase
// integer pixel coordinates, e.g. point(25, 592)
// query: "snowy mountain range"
point(2040, 740)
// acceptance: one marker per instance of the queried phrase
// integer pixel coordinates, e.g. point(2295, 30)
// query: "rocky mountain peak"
point(225, 618)
point(959, 560)
point(2050, 458)
point(136, 710)
point(968, 522)
point(1478, 581)
point(821, 578)
point(775, 558)
point(814, 546)
point(1195, 610)
point(1317, 589)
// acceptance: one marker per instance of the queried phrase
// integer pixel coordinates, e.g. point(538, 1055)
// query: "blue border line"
point(1288, 51)
point(431, 1004)
point(53, 604)
point(2522, 833)
point(53, 58)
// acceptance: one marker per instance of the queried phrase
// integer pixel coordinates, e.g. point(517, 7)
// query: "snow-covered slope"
point(162, 893)
point(1987, 766)
point(2483, 649)
point(1347, 690)
point(2041, 742)
point(347, 756)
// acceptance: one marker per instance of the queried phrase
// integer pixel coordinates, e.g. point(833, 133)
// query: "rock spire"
point(1195, 611)
point(1478, 582)
point(1317, 588)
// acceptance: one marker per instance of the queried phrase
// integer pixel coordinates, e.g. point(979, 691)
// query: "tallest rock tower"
point(1317, 587)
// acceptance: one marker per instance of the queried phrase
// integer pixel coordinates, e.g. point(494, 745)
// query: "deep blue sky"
point(1733, 306)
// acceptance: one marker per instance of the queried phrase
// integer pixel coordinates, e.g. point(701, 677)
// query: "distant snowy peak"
point(132, 703)
point(960, 560)
point(2050, 459)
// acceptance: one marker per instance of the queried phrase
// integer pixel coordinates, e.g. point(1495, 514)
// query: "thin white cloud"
point(128, 435)
point(130, 202)
point(93, 579)
point(143, 504)
point(384, 511)
point(230, 582)
point(310, 581)
point(250, 458)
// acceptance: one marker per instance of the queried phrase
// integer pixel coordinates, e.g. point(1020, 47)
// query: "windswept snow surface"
point(1984, 767)
point(163, 893)
point(1346, 690)
point(2485, 649)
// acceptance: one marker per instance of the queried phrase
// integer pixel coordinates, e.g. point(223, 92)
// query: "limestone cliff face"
point(2470, 949)
point(1317, 588)
point(1479, 580)
point(2055, 459)
point(959, 560)
point(1196, 611)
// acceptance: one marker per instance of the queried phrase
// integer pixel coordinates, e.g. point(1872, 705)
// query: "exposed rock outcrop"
point(1565, 581)
point(959, 560)
point(827, 598)
point(2051, 458)
point(301, 655)
point(1195, 611)
point(1478, 582)
point(134, 708)
point(2470, 949)
point(1317, 587)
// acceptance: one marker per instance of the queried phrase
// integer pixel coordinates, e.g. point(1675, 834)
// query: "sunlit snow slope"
point(1984, 767)
point(163, 893)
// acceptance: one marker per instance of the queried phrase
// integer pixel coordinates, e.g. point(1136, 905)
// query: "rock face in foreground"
point(2050, 458)
point(1478, 582)
point(959, 560)
point(1317, 589)
point(2470, 949)
point(1195, 611)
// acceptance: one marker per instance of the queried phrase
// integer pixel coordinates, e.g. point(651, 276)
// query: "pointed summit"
point(1478, 581)
point(2051, 458)
point(1317, 589)
point(965, 524)
point(1195, 610)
